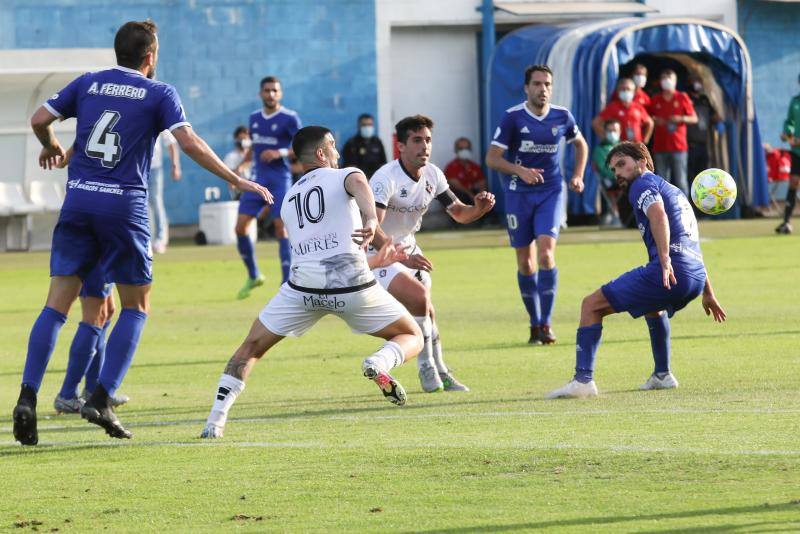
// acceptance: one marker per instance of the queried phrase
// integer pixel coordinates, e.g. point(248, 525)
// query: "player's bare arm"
point(356, 185)
point(412, 261)
point(52, 152)
point(197, 149)
point(659, 226)
point(581, 157)
point(710, 303)
point(465, 214)
point(388, 254)
point(496, 161)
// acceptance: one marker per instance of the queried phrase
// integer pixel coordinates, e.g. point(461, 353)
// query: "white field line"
point(334, 446)
point(439, 415)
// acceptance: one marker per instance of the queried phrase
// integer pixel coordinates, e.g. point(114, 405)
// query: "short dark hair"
point(611, 121)
point(625, 79)
point(411, 124)
point(668, 71)
point(536, 68)
point(308, 139)
point(364, 116)
point(134, 40)
point(455, 144)
point(635, 150)
point(268, 79)
point(240, 130)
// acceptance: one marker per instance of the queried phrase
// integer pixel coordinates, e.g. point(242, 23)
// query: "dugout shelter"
point(587, 59)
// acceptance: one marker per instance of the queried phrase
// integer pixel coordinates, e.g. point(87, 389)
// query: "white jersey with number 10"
point(320, 216)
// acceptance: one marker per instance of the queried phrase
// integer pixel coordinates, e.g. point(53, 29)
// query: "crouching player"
point(674, 276)
point(329, 275)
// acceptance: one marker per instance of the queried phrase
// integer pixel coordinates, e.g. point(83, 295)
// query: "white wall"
point(723, 11)
point(435, 72)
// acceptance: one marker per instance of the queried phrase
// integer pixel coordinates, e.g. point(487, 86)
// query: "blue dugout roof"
point(586, 58)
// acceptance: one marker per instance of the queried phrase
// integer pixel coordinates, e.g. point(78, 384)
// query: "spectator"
point(364, 150)
point(240, 159)
point(155, 197)
point(699, 135)
point(672, 110)
point(464, 176)
point(633, 118)
point(608, 182)
point(639, 78)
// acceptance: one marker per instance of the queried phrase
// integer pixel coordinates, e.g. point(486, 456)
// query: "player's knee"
point(546, 259)
point(420, 302)
point(525, 266)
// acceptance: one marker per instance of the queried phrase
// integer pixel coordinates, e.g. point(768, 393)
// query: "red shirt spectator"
point(630, 118)
point(465, 174)
point(779, 165)
point(670, 136)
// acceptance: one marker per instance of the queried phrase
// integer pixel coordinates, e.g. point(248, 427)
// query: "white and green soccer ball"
point(713, 191)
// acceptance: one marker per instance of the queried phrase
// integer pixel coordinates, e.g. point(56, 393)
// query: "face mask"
point(698, 87)
point(612, 137)
point(668, 84)
point(367, 131)
point(626, 96)
point(640, 80)
point(245, 143)
point(464, 153)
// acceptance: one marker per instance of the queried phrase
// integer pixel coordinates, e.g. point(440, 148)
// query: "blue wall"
point(216, 51)
point(771, 31)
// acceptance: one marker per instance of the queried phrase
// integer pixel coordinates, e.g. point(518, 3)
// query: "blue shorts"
point(121, 247)
point(529, 215)
point(95, 285)
point(641, 291)
point(251, 203)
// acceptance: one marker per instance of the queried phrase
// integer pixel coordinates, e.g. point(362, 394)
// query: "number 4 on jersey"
point(103, 143)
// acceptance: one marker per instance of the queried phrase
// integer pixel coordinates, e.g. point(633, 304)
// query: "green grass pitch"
point(313, 446)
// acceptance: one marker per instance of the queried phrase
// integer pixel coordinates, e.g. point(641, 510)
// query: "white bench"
point(15, 217)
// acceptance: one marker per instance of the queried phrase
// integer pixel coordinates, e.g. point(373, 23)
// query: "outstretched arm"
point(197, 149)
point(463, 213)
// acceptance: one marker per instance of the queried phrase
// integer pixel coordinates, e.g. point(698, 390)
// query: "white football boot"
point(212, 431)
point(668, 381)
point(574, 390)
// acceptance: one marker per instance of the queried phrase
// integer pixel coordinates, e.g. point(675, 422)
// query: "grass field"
point(312, 446)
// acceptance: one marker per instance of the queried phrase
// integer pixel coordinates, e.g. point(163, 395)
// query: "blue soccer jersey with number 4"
point(120, 113)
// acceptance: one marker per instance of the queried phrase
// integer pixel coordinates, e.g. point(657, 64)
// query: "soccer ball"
point(713, 191)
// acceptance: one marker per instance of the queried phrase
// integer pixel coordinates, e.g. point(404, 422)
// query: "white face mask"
point(698, 87)
point(246, 143)
point(668, 84)
point(626, 96)
point(367, 131)
point(612, 137)
point(640, 80)
point(464, 153)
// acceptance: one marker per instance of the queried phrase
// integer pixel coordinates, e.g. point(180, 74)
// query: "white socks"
point(228, 390)
point(425, 357)
point(436, 344)
point(386, 358)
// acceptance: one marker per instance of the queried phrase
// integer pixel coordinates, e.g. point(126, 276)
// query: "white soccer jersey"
point(320, 216)
point(405, 198)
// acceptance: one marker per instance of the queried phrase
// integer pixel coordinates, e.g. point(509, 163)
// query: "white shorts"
point(385, 275)
point(293, 313)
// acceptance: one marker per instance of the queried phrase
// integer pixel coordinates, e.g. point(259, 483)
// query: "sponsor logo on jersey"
point(274, 127)
point(524, 130)
point(325, 302)
point(428, 187)
point(316, 244)
point(55, 96)
point(537, 148)
point(264, 139)
point(408, 209)
point(254, 125)
point(96, 187)
point(554, 131)
point(403, 192)
point(116, 89)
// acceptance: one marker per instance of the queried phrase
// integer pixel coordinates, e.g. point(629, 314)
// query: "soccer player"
point(271, 131)
point(403, 189)
point(673, 277)
point(790, 135)
point(330, 275)
point(531, 132)
point(120, 112)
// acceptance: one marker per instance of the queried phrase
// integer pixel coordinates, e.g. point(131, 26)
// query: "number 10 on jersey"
point(311, 209)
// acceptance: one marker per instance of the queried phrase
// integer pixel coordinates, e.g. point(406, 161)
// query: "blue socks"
point(80, 354)
point(41, 343)
point(530, 295)
point(285, 253)
point(248, 254)
point(588, 339)
point(659, 341)
point(93, 373)
point(121, 346)
point(548, 281)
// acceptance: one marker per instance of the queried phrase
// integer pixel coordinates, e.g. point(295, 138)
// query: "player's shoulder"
point(388, 171)
point(516, 110)
point(287, 111)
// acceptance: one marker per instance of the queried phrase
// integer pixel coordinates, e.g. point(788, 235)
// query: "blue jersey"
point(272, 132)
point(120, 113)
point(684, 239)
point(533, 141)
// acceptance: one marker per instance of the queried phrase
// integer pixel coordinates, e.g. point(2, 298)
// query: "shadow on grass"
point(793, 506)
